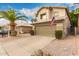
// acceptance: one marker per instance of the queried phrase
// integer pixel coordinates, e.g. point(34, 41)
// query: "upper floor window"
point(43, 16)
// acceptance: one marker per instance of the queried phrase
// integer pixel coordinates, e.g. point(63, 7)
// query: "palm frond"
point(21, 17)
point(12, 15)
point(3, 14)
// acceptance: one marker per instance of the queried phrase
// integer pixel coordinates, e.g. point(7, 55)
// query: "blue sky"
point(29, 9)
point(4, 6)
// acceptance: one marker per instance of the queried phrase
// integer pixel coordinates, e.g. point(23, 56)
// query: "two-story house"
point(44, 17)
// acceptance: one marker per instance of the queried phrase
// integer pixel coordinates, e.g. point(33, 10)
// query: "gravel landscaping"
point(65, 47)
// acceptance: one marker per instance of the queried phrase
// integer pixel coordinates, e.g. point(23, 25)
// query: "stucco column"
point(50, 13)
point(78, 23)
point(18, 31)
point(8, 31)
point(75, 31)
point(21, 30)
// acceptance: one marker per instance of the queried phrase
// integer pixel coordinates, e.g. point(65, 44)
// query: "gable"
point(59, 13)
point(44, 13)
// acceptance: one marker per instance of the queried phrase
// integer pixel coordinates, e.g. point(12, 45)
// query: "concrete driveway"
point(65, 47)
point(22, 45)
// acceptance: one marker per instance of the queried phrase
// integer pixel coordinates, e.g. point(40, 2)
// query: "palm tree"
point(12, 16)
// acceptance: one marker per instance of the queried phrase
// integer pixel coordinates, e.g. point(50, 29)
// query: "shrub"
point(58, 34)
point(32, 32)
point(13, 33)
point(0, 27)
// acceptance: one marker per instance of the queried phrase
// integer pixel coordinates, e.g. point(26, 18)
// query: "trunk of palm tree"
point(12, 26)
point(12, 29)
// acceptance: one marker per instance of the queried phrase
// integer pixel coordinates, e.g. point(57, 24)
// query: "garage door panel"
point(45, 30)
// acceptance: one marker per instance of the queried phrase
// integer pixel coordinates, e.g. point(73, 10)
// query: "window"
point(43, 16)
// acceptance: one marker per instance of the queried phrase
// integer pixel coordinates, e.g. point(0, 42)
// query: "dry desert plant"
point(41, 53)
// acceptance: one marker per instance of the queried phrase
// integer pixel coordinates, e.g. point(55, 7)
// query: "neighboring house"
point(23, 28)
point(44, 17)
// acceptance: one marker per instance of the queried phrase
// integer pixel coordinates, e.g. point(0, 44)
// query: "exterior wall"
point(59, 14)
point(66, 25)
point(24, 29)
point(42, 12)
point(78, 20)
point(78, 25)
point(62, 14)
point(44, 29)
point(59, 26)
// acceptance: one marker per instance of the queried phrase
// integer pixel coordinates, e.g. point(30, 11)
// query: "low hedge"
point(58, 34)
point(31, 32)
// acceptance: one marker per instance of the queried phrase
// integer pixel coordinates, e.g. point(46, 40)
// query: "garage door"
point(45, 30)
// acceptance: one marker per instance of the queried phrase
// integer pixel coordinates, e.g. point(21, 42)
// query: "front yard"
point(22, 45)
point(64, 47)
point(26, 45)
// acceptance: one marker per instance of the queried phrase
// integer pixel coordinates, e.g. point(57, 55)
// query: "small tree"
point(73, 20)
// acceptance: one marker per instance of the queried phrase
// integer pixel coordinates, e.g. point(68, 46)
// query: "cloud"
point(29, 12)
point(3, 22)
point(76, 5)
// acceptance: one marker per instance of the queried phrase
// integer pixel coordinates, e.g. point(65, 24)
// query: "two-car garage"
point(44, 29)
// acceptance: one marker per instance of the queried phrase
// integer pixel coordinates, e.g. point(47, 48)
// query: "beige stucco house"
point(44, 17)
point(23, 28)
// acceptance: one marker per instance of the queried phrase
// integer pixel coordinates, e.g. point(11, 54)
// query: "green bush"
point(58, 34)
point(0, 27)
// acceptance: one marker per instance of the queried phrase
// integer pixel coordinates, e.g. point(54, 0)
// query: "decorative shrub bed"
point(31, 32)
point(58, 34)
